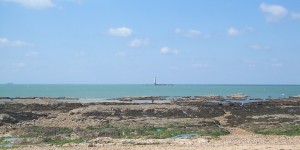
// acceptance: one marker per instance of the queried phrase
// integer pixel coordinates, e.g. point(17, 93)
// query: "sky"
point(133, 41)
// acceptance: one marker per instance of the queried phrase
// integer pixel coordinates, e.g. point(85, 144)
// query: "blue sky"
point(132, 41)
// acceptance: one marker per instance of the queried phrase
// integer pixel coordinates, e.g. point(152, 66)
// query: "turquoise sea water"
point(101, 91)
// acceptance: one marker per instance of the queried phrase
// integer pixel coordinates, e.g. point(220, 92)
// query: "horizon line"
point(270, 84)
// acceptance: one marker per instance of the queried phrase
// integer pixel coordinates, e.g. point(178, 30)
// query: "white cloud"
point(191, 33)
point(166, 50)
point(37, 4)
point(233, 32)
point(3, 41)
point(19, 43)
point(122, 31)
point(16, 43)
point(295, 15)
point(259, 47)
point(236, 32)
point(273, 13)
point(121, 54)
point(138, 42)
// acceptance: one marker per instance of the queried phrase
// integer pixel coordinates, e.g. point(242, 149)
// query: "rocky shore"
point(184, 123)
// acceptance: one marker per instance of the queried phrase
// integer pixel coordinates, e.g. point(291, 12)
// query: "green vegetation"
point(3, 147)
point(35, 131)
point(56, 142)
point(155, 132)
point(216, 133)
point(59, 136)
point(1, 139)
point(139, 143)
point(289, 131)
point(48, 135)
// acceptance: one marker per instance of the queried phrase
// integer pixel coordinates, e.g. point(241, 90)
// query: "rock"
point(5, 118)
point(237, 96)
point(132, 98)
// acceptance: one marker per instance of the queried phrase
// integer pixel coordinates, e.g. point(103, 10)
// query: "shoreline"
point(238, 97)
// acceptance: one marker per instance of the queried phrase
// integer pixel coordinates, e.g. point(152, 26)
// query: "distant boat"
point(155, 83)
point(9, 83)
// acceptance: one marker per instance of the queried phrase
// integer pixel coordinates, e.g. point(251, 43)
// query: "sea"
point(102, 92)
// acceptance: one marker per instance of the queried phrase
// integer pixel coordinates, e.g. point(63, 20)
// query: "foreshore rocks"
point(237, 96)
point(147, 110)
point(39, 98)
point(5, 118)
point(132, 98)
point(205, 115)
point(38, 105)
point(186, 107)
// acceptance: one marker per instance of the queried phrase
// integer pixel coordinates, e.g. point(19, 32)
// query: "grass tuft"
point(156, 132)
point(62, 142)
point(289, 131)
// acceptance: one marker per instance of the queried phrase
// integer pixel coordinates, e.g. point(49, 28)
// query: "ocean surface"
point(92, 92)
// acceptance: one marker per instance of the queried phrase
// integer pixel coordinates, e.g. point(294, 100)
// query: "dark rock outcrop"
point(5, 118)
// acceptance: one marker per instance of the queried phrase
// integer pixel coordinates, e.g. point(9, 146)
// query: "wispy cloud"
point(139, 42)
point(121, 54)
point(259, 47)
point(233, 32)
point(273, 13)
point(166, 50)
point(19, 65)
point(250, 63)
point(191, 33)
point(277, 65)
point(295, 15)
point(200, 65)
point(17, 43)
point(121, 31)
point(76, 1)
point(31, 54)
point(36, 4)
point(80, 54)
point(236, 32)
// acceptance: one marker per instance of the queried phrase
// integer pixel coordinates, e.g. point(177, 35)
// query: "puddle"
point(184, 136)
point(7, 145)
point(8, 142)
